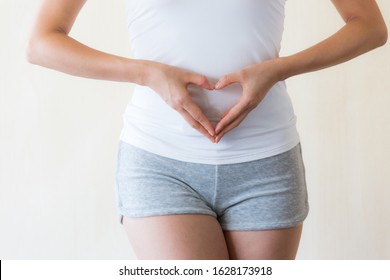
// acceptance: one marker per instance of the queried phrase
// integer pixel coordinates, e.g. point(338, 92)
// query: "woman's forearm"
point(358, 36)
point(58, 51)
point(51, 46)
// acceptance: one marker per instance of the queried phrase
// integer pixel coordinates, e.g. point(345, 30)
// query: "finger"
point(201, 80)
point(232, 125)
point(196, 125)
point(197, 115)
point(230, 116)
point(226, 80)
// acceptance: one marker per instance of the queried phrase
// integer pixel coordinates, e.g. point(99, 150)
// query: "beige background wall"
point(58, 137)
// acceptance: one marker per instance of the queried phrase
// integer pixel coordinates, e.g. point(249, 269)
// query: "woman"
point(209, 160)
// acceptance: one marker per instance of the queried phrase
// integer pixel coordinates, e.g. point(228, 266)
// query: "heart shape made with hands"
point(171, 83)
point(255, 86)
point(231, 117)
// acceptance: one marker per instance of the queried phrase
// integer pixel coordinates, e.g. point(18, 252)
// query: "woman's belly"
point(274, 111)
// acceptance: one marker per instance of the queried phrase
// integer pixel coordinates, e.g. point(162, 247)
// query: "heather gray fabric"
point(269, 193)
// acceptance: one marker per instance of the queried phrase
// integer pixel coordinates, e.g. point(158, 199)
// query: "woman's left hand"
point(256, 80)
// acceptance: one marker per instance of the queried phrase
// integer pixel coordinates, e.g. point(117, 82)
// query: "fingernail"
point(211, 133)
point(218, 84)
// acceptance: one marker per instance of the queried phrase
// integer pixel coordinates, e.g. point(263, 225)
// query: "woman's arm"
point(51, 47)
point(364, 30)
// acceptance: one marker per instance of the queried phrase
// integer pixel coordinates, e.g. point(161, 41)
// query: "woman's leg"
point(281, 244)
point(194, 237)
point(264, 206)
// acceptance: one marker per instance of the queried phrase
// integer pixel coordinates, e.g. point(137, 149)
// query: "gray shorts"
point(269, 193)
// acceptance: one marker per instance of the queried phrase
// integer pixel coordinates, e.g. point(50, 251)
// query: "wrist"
point(281, 68)
point(144, 72)
point(140, 71)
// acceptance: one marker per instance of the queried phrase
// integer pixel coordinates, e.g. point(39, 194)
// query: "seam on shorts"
point(183, 211)
point(269, 226)
point(215, 185)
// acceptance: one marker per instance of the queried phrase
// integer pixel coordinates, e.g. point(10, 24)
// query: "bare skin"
point(170, 237)
point(200, 236)
point(280, 244)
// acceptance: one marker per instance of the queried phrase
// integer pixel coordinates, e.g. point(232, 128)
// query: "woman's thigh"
point(188, 237)
point(279, 244)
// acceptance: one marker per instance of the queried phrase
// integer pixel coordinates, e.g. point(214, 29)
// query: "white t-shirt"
point(214, 38)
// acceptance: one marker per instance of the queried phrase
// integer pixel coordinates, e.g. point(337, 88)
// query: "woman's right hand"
point(171, 83)
point(50, 46)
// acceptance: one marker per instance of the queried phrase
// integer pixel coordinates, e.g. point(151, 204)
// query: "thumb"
point(202, 81)
point(226, 80)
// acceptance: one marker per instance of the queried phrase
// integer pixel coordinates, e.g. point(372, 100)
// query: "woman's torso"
point(214, 38)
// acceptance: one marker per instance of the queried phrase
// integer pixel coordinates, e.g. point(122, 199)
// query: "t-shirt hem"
point(215, 160)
